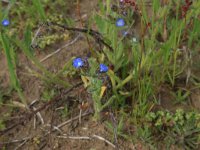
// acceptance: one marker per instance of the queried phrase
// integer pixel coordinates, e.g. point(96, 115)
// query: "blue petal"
point(5, 22)
point(103, 68)
point(120, 22)
point(77, 63)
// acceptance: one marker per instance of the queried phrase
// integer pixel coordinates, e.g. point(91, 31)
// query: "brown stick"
point(96, 35)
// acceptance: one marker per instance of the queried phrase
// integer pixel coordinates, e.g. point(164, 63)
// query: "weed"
point(93, 78)
point(64, 112)
point(13, 77)
point(2, 125)
point(181, 96)
point(48, 94)
point(179, 128)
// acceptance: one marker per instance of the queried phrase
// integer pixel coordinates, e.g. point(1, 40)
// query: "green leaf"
point(39, 9)
point(28, 39)
point(100, 23)
point(13, 77)
point(7, 49)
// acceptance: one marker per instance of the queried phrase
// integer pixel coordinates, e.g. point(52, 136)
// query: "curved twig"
point(96, 35)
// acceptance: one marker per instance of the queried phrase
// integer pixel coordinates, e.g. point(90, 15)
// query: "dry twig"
point(103, 139)
point(75, 137)
point(38, 114)
point(61, 48)
point(20, 145)
point(88, 138)
point(75, 118)
point(16, 141)
point(96, 35)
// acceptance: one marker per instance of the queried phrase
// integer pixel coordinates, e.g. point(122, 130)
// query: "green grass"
point(9, 52)
point(161, 56)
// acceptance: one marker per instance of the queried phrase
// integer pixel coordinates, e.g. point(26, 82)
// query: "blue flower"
point(78, 63)
point(120, 22)
point(103, 68)
point(124, 33)
point(5, 22)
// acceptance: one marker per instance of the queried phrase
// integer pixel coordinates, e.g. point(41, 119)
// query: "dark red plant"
point(185, 8)
point(130, 2)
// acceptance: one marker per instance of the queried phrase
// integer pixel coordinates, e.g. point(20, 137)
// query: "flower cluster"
point(79, 63)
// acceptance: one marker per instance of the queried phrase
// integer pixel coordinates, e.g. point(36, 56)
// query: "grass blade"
point(13, 77)
point(39, 8)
